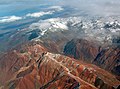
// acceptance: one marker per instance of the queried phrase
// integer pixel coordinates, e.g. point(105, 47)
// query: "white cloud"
point(9, 19)
point(57, 8)
point(51, 9)
point(13, 18)
point(95, 7)
point(39, 14)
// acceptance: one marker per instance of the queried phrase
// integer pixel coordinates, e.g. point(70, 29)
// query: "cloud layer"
point(95, 7)
point(9, 19)
point(50, 10)
point(39, 14)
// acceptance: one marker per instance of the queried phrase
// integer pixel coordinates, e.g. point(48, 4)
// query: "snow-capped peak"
point(95, 29)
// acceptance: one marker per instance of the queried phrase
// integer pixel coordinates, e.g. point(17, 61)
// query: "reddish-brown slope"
point(12, 61)
point(81, 49)
point(107, 58)
point(31, 67)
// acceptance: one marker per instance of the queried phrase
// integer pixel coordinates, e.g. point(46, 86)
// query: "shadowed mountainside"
point(104, 57)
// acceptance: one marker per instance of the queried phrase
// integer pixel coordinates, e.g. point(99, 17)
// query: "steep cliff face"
point(81, 49)
point(32, 67)
point(107, 58)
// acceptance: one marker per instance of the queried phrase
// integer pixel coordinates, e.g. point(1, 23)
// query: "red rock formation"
point(31, 67)
point(12, 61)
point(106, 58)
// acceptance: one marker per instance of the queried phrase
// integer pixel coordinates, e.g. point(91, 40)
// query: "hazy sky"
point(96, 7)
point(93, 7)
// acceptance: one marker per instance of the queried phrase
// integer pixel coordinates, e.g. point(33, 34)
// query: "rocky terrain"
point(107, 58)
point(60, 44)
point(62, 53)
point(31, 66)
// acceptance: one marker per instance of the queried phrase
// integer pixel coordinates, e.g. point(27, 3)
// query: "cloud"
point(9, 19)
point(57, 8)
point(51, 9)
point(95, 7)
point(39, 14)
